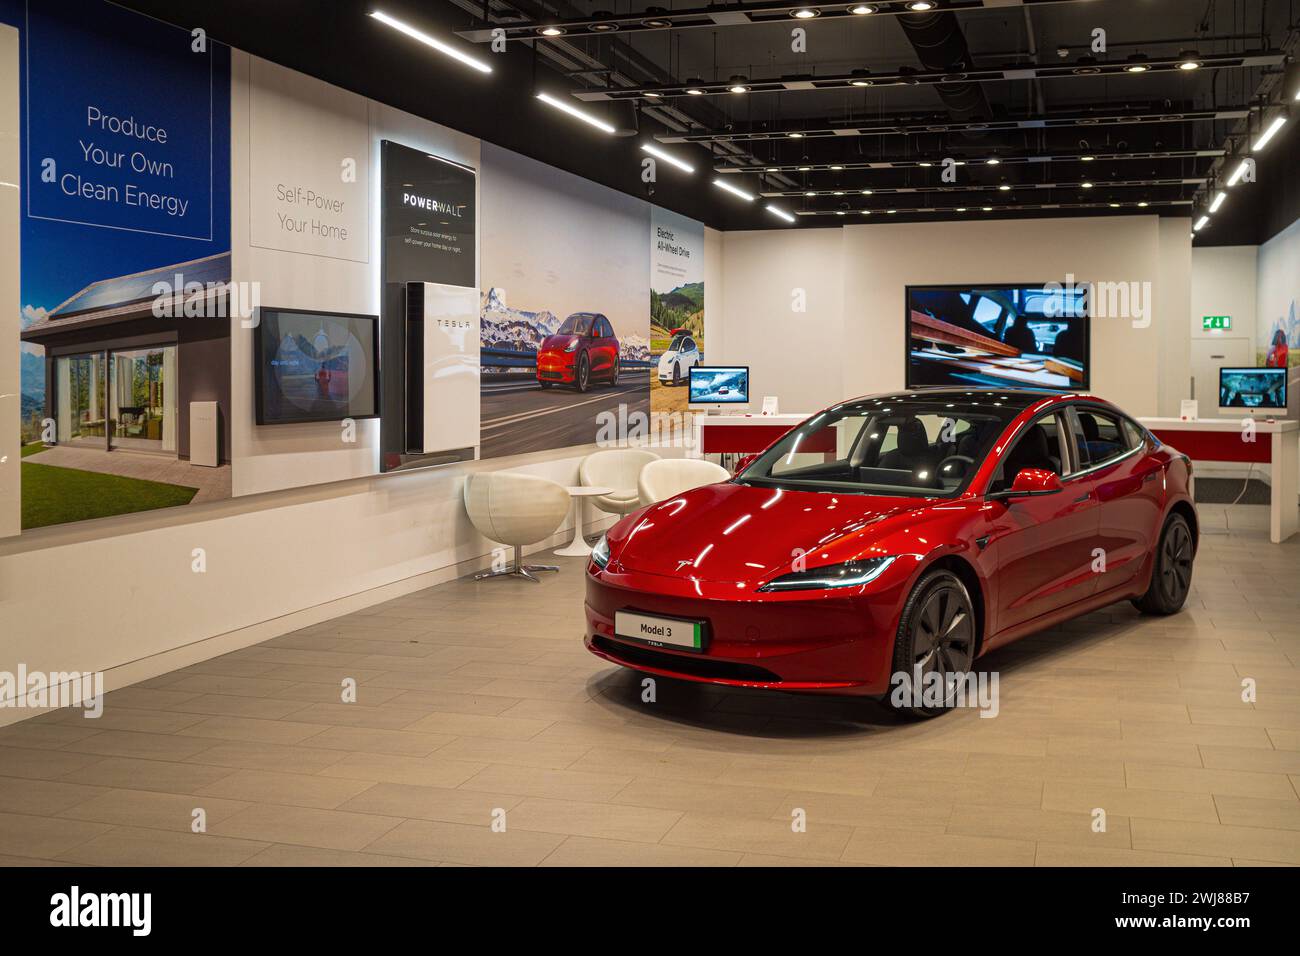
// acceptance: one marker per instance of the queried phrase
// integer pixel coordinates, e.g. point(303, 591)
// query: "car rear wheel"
point(934, 646)
point(582, 377)
point(677, 375)
point(1171, 572)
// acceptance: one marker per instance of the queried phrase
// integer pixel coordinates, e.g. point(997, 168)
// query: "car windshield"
point(577, 324)
point(885, 446)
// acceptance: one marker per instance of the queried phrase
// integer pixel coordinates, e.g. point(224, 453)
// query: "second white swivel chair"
point(660, 480)
point(515, 509)
point(617, 468)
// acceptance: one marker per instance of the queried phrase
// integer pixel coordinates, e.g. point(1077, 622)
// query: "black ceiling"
point(872, 107)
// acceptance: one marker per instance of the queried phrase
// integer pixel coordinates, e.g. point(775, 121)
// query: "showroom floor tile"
point(484, 734)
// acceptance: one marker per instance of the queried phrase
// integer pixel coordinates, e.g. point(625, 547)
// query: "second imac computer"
point(1255, 390)
point(716, 385)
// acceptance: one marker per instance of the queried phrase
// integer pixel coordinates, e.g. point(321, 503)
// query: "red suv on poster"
point(583, 350)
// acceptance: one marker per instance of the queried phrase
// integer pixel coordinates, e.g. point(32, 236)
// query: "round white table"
point(578, 547)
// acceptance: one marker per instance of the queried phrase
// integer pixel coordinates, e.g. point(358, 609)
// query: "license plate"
point(660, 631)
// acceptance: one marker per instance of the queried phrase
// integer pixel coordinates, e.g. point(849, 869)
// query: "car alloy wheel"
point(1171, 576)
point(613, 375)
point(936, 635)
point(677, 375)
point(583, 373)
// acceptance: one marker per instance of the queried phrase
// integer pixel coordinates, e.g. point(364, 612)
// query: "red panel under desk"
point(1219, 446)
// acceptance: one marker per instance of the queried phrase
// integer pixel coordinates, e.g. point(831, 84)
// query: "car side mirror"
point(745, 462)
point(1029, 483)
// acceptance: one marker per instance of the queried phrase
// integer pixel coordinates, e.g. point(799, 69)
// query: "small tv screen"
point(1253, 388)
point(719, 385)
point(998, 336)
point(315, 366)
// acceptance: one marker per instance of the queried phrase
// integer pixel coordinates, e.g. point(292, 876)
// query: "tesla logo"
point(684, 562)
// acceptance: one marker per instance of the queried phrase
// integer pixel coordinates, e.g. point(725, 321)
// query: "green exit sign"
point(1216, 322)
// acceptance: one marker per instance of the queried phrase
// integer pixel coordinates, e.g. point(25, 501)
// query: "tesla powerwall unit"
point(442, 375)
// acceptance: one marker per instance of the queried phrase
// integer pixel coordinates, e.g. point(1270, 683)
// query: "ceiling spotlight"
point(919, 6)
point(805, 13)
point(551, 31)
point(992, 161)
point(738, 84)
point(925, 164)
point(1087, 66)
point(1113, 205)
point(668, 158)
point(811, 192)
point(603, 26)
point(1200, 224)
point(1085, 185)
point(838, 192)
point(780, 213)
point(427, 40)
point(866, 212)
point(961, 208)
point(794, 135)
point(1137, 63)
point(987, 208)
point(836, 168)
point(1189, 60)
point(1218, 201)
point(655, 23)
point(891, 211)
point(863, 9)
point(866, 192)
point(1143, 204)
point(576, 113)
point(805, 169)
point(695, 86)
point(861, 78)
point(774, 169)
point(839, 212)
point(734, 190)
point(1004, 188)
point(1278, 122)
point(1086, 159)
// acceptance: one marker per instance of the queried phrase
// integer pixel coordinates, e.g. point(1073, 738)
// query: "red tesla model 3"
point(582, 350)
point(897, 534)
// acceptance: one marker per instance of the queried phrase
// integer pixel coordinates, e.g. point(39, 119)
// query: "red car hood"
point(731, 532)
point(560, 342)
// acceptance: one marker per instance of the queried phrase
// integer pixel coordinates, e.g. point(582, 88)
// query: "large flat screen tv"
point(718, 385)
point(1000, 336)
point(315, 366)
point(1262, 388)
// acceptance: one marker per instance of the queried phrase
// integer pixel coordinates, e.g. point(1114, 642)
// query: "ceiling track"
point(1005, 160)
point(983, 188)
point(660, 20)
point(864, 79)
point(975, 212)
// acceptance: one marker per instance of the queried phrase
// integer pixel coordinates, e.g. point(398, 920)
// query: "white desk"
point(743, 434)
point(1277, 443)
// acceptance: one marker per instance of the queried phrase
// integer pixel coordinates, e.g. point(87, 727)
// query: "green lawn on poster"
point(53, 495)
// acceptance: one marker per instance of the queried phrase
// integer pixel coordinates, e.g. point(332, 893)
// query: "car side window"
point(1133, 431)
point(1101, 437)
point(688, 345)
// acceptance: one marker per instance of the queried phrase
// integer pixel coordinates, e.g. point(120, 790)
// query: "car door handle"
point(1083, 497)
point(1150, 476)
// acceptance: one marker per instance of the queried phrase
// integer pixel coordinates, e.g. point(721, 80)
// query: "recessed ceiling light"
point(1085, 184)
point(780, 213)
point(1087, 159)
point(656, 23)
point(668, 158)
point(1144, 204)
point(837, 168)
point(551, 31)
point(891, 211)
point(774, 169)
point(427, 40)
point(992, 161)
point(862, 9)
point(987, 208)
point(794, 135)
point(839, 212)
point(1004, 188)
point(920, 6)
point(1137, 63)
point(866, 192)
point(738, 84)
point(860, 78)
point(805, 13)
point(924, 164)
point(866, 212)
point(961, 208)
point(695, 86)
point(811, 192)
point(805, 169)
point(604, 27)
point(734, 190)
point(1189, 60)
point(576, 113)
point(1113, 205)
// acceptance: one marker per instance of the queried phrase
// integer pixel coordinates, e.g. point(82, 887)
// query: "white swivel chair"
point(617, 468)
point(515, 509)
point(660, 480)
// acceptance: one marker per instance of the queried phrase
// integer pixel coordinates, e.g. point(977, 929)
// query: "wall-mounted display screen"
point(1033, 336)
point(719, 385)
point(315, 366)
point(1263, 388)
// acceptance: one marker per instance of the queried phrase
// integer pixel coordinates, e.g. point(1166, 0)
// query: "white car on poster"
point(682, 353)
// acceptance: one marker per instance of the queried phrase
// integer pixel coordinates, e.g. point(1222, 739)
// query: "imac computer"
point(714, 386)
point(1256, 391)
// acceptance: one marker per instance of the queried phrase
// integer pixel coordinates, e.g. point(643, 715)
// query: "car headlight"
point(600, 553)
point(847, 575)
point(572, 346)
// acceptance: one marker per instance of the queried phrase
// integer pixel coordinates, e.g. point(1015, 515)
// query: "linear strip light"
point(575, 112)
point(1200, 224)
point(438, 45)
point(1278, 122)
point(780, 213)
point(668, 158)
point(734, 190)
point(1218, 201)
point(1238, 173)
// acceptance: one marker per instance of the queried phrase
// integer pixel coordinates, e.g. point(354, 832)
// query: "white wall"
point(850, 341)
point(1223, 283)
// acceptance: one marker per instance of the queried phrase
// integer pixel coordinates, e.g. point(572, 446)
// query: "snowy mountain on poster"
point(515, 329)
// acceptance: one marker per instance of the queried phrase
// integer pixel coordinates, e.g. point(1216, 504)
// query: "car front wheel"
point(582, 376)
point(1171, 572)
point(933, 647)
